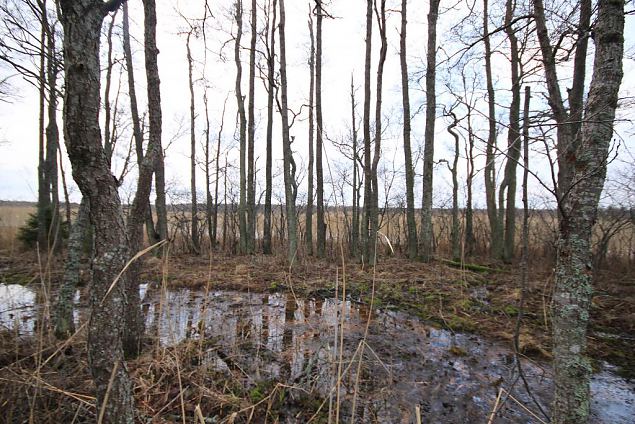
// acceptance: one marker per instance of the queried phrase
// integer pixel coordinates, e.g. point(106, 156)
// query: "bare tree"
point(270, 49)
point(410, 178)
point(309, 197)
point(82, 21)
point(251, 132)
point(428, 150)
point(137, 132)
point(319, 173)
point(154, 112)
point(242, 124)
point(583, 148)
point(196, 245)
point(496, 235)
point(366, 125)
point(290, 188)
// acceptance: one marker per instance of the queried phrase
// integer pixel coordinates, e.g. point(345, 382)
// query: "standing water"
point(406, 364)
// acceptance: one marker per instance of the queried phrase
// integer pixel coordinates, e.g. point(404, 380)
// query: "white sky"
point(343, 55)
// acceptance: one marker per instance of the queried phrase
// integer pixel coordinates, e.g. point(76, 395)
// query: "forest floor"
point(482, 300)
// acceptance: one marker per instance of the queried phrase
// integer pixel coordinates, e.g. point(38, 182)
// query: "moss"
point(511, 310)
point(458, 323)
point(457, 351)
point(470, 267)
point(465, 304)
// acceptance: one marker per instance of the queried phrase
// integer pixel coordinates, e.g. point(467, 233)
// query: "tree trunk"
point(196, 244)
point(64, 323)
point(374, 207)
point(309, 196)
point(355, 218)
point(137, 133)
point(217, 179)
point(108, 145)
point(319, 173)
point(455, 235)
point(573, 287)
point(242, 207)
point(496, 234)
point(427, 242)
point(82, 22)
point(251, 132)
point(154, 112)
point(44, 199)
point(366, 124)
point(410, 176)
point(271, 27)
point(470, 239)
point(288, 163)
point(52, 141)
point(513, 141)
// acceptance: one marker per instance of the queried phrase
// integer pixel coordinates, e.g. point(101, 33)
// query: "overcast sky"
point(343, 56)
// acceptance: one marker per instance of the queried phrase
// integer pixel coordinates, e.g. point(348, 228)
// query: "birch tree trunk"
point(513, 143)
point(321, 223)
point(309, 196)
point(496, 236)
point(573, 288)
point(410, 177)
point(52, 140)
point(137, 133)
point(355, 219)
point(366, 129)
point(251, 132)
point(64, 323)
point(196, 245)
point(271, 27)
point(242, 207)
point(428, 150)
point(154, 112)
point(82, 20)
point(374, 206)
point(288, 165)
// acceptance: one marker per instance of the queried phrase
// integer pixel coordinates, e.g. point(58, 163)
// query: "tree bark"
point(214, 224)
point(196, 244)
point(374, 206)
point(251, 132)
point(496, 234)
point(410, 177)
point(355, 218)
point(271, 27)
point(455, 235)
point(366, 129)
point(288, 164)
point(573, 287)
point(309, 196)
point(427, 247)
point(44, 199)
point(52, 140)
point(82, 22)
point(137, 133)
point(242, 207)
point(154, 112)
point(513, 142)
point(64, 323)
point(319, 173)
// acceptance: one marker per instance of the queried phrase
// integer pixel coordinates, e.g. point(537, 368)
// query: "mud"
point(407, 364)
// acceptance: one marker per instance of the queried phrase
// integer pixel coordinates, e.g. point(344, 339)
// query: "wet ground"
point(407, 365)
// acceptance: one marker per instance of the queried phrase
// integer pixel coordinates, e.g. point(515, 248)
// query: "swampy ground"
point(246, 339)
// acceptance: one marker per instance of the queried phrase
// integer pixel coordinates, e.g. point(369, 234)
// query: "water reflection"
point(452, 377)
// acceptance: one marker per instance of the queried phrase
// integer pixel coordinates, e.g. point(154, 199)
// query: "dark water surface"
point(451, 377)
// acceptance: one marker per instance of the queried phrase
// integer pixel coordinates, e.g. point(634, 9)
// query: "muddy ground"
point(469, 314)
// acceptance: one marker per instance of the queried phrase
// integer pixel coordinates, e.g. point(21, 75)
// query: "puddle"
point(453, 378)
